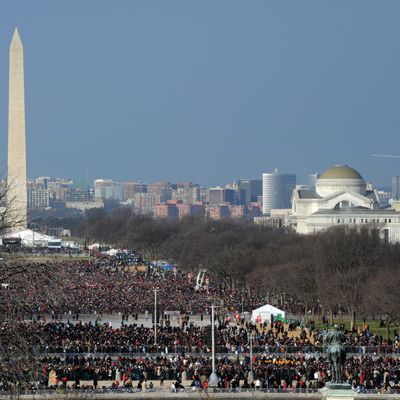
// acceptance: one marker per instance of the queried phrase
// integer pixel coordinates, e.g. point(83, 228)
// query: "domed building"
point(340, 178)
point(340, 197)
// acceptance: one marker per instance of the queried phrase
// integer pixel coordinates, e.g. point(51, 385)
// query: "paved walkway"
point(194, 395)
point(169, 395)
point(143, 319)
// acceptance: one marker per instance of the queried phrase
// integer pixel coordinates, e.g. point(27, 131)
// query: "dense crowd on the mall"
point(65, 350)
point(76, 353)
point(75, 337)
point(107, 286)
point(269, 371)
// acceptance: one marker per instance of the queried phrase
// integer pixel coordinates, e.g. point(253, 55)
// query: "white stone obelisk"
point(16, 169)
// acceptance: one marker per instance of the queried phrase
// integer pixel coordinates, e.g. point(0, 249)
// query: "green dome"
point(341, 172)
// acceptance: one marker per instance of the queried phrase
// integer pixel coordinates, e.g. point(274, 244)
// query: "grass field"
point(56, 257)
point(374, 326)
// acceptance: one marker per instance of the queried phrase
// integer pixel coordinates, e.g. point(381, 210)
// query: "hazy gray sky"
point(208, 91)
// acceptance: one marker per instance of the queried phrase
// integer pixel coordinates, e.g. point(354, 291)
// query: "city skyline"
point(206, 92)
point(304, 182)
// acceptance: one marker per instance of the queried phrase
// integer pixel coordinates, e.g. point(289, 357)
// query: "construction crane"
point(385, 155)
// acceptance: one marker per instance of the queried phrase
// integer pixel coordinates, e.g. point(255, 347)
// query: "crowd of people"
point(75, 337)
point(69, 350)
point(274, 372)
point(106, 286)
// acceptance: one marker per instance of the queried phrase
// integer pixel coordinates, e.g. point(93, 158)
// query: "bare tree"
point(383, 294)
point(11, 216)
point(346, 257)
point(21, 285)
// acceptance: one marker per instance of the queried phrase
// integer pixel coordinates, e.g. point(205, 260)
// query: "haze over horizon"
point(207, 91)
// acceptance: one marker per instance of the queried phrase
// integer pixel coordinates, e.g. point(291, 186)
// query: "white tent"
point(112, 252)
point(30, 238)
point(264, 314)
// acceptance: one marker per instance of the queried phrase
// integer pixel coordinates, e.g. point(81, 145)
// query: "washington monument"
point(16, 168)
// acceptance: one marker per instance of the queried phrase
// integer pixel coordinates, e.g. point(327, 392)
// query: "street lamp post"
point(213, 380)
point(251, 375)
point(284, 302)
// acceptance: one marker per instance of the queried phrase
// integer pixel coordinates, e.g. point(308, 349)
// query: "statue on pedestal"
point(335, 353)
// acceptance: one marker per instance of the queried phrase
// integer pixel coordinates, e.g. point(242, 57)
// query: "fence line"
point(220, 350)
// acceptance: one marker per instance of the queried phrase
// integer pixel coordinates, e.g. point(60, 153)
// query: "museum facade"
point(340, 197)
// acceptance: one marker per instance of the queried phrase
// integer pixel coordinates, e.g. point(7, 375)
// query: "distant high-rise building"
point(383, 196)
point(59, 182)
point(102, 187)
point(249, 190)
point(75, 195)
point(162, 189)
point(196, 209)
point(215, 195)
point(108, 190)
point(219, 195)
point(38, 198)
point(166, 210)
point(130, 188)
point(143, 203)
point(312, 179)
point(277, 190)
point(238, 211)
point(42, 181)
point(16, 168)
point(218, 211)
point(396, 188)
point(188, 194)
point(204, 194)
point(230, 196)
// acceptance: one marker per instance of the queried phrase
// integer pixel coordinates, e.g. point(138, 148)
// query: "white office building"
point(277, 190)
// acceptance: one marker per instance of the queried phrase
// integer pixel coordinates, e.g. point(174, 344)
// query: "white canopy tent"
point(112, 252)
point(31, 238)
point(264, 314)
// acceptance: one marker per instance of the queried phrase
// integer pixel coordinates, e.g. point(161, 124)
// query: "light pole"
point(155, 317)
point(251, 375)
point(284, 302)
point(213, 380)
